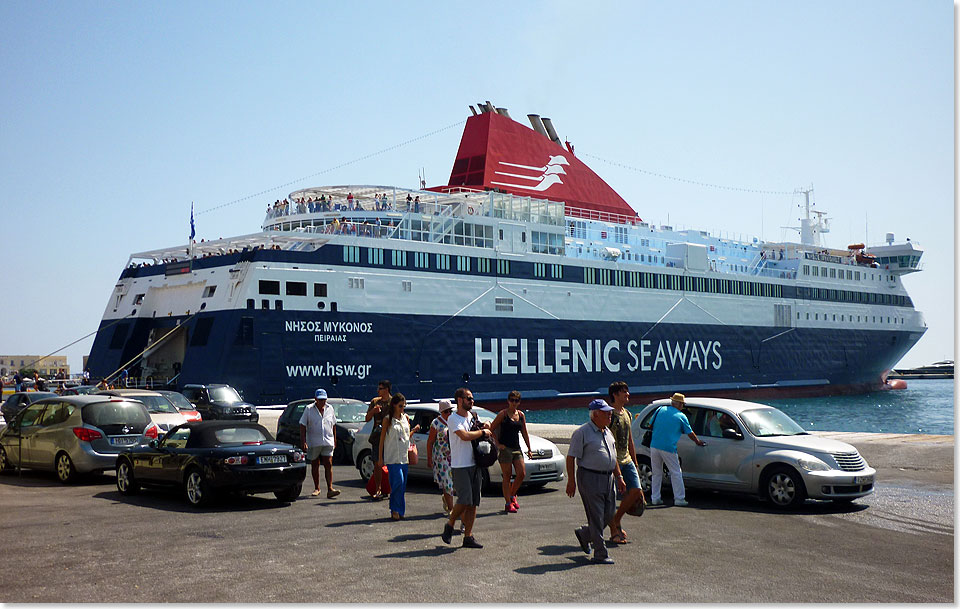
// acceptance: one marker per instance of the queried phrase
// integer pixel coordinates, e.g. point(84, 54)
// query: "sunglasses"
point(513, 400)
point(467, 399)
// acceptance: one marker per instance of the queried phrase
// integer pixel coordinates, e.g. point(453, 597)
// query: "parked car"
point(755, 448)
point(188, 410)
point(217, 401)
point(547, 465)
point(79, 390)
point(21, 399)
point(74, 435)
point(350, 414)
point(211, 457)
point(161, 410)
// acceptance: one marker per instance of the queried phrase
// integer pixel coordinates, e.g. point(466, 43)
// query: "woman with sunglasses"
point(394, 447)
point(508, 425)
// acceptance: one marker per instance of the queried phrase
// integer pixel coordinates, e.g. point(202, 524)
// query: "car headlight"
point(812, 464)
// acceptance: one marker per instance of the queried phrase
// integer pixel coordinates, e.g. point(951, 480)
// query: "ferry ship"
point(526, 271)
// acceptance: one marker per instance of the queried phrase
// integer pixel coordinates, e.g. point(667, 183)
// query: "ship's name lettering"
point(568, 355)
point(330, 327)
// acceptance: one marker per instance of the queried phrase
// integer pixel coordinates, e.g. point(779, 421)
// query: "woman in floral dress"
point(438, 455)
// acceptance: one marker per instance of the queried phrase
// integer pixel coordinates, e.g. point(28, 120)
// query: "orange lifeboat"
point(856, 246)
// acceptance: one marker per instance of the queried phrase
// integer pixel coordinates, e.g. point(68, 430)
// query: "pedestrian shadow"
point(413, 537)
point(427, 553)
point(581, 560)
point(385, 520)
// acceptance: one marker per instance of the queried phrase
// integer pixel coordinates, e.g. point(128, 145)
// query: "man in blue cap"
point(318, 439)
point(594, 449)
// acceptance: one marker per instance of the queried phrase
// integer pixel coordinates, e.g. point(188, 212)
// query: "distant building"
point(46, 366)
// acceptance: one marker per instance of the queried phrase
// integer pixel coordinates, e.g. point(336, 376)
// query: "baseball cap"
point(320, 394)
point(599, 404)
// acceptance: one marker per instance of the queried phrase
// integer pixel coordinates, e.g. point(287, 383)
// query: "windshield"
point(764, 422)
point(155, 403)
point(239, 435)
point(179, 401)
point(227, 395)
point(350, 412)
point(485, 415)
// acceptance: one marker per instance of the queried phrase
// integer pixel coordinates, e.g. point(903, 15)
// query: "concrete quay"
point(92, 544)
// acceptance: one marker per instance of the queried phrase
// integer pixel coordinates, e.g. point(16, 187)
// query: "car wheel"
point(126, 482)
point(784, 488)
point(365, 464)
point(289, 495)
point(646, 474)
point(5, 466)
point(196, 489)
point(66, 472)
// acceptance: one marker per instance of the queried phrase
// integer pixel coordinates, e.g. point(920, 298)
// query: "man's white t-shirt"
point(461, 451)
point(319, 427)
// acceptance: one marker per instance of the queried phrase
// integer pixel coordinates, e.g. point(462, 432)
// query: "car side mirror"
point(154, 444)
point(732, 434)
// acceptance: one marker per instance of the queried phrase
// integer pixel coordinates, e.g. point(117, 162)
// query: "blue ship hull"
point(274, 357)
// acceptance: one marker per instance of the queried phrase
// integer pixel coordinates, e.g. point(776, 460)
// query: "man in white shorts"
point(318, 439)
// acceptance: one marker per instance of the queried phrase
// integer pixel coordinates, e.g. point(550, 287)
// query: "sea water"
point(924, 407)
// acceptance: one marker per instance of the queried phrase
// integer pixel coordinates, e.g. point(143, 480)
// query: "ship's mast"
point(811, 227)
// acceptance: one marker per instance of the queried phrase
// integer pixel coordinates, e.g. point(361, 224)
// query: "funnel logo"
point(538, 178)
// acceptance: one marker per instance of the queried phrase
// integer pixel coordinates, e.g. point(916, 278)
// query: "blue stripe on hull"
point(278, 356)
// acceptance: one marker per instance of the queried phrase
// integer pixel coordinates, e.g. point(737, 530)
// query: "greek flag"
point(193, 229)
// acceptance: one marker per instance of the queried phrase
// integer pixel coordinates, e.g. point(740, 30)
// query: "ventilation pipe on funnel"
point(503, 112)
point(537, 124)
point(552, 133)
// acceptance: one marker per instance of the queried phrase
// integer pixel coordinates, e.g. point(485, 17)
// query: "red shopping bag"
point(384, 483)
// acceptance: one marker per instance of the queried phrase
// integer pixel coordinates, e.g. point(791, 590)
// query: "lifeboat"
point(856, 246)
point(866, 259)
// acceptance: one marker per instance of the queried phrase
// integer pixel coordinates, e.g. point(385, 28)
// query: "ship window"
point(321, 305)
point(278, 305)
point(209, 291)
point(296, 288)
point(399, 258)
point(269, 287)
point(265, 304)
point(374, 255)
point(407, 286)
point(833, 273)
point(333, 307)
point(202, 332)
point(138, 299)
point(504, 304)
point(250, 303)
point(355, 283)
point(319, 290)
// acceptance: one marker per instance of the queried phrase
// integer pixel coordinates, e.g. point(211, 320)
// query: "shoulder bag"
point(648, 435)
point(485, 452)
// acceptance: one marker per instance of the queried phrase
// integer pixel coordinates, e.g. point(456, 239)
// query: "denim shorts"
point(630, 476)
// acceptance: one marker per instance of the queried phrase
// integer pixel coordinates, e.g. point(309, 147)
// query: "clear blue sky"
point(115, 116)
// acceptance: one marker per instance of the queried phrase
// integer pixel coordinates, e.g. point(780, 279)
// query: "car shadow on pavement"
point(35, 478)
point(710, 500)
point(169, 501)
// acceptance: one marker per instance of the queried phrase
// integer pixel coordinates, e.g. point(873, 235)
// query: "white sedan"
point(547, 464)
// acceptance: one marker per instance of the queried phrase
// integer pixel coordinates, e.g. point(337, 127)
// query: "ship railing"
point(602, 216)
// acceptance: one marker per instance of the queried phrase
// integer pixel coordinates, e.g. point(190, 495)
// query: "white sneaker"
point(656, 502)
point(680, 503)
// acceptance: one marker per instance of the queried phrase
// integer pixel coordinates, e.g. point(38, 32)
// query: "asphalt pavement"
point(88, 543)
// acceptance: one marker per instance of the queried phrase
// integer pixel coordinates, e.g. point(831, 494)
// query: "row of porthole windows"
point(843, 317)
point(278, 305)
point(848, 274)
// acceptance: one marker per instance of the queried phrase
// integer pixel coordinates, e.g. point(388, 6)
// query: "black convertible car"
point(209, 457)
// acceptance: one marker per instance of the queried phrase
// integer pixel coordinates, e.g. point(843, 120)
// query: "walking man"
point(619, 394)
point(466, 475)
point(668, 425)
point(318, 439)
point(379, 408)
point(592, 447)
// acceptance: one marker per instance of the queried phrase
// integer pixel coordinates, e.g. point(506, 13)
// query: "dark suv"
point(217, 401)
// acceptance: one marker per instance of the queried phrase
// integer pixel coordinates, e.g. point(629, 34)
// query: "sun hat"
point(679, 397)
point(445, 405)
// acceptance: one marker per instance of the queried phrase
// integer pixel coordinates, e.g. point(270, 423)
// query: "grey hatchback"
point(74, 435)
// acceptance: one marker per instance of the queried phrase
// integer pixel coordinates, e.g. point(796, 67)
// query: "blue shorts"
point(630, 476)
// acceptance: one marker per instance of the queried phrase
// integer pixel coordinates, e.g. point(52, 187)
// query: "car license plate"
point(545, 467)
point(123, 441)
point(863, 479)
point(272, 459)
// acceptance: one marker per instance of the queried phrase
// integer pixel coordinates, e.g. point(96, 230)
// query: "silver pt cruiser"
point(754, 448)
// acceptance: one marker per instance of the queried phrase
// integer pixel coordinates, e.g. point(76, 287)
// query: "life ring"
point(470, 210)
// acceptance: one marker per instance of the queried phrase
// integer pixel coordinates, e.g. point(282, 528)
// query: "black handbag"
point(648, 435)
point(485, 451)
